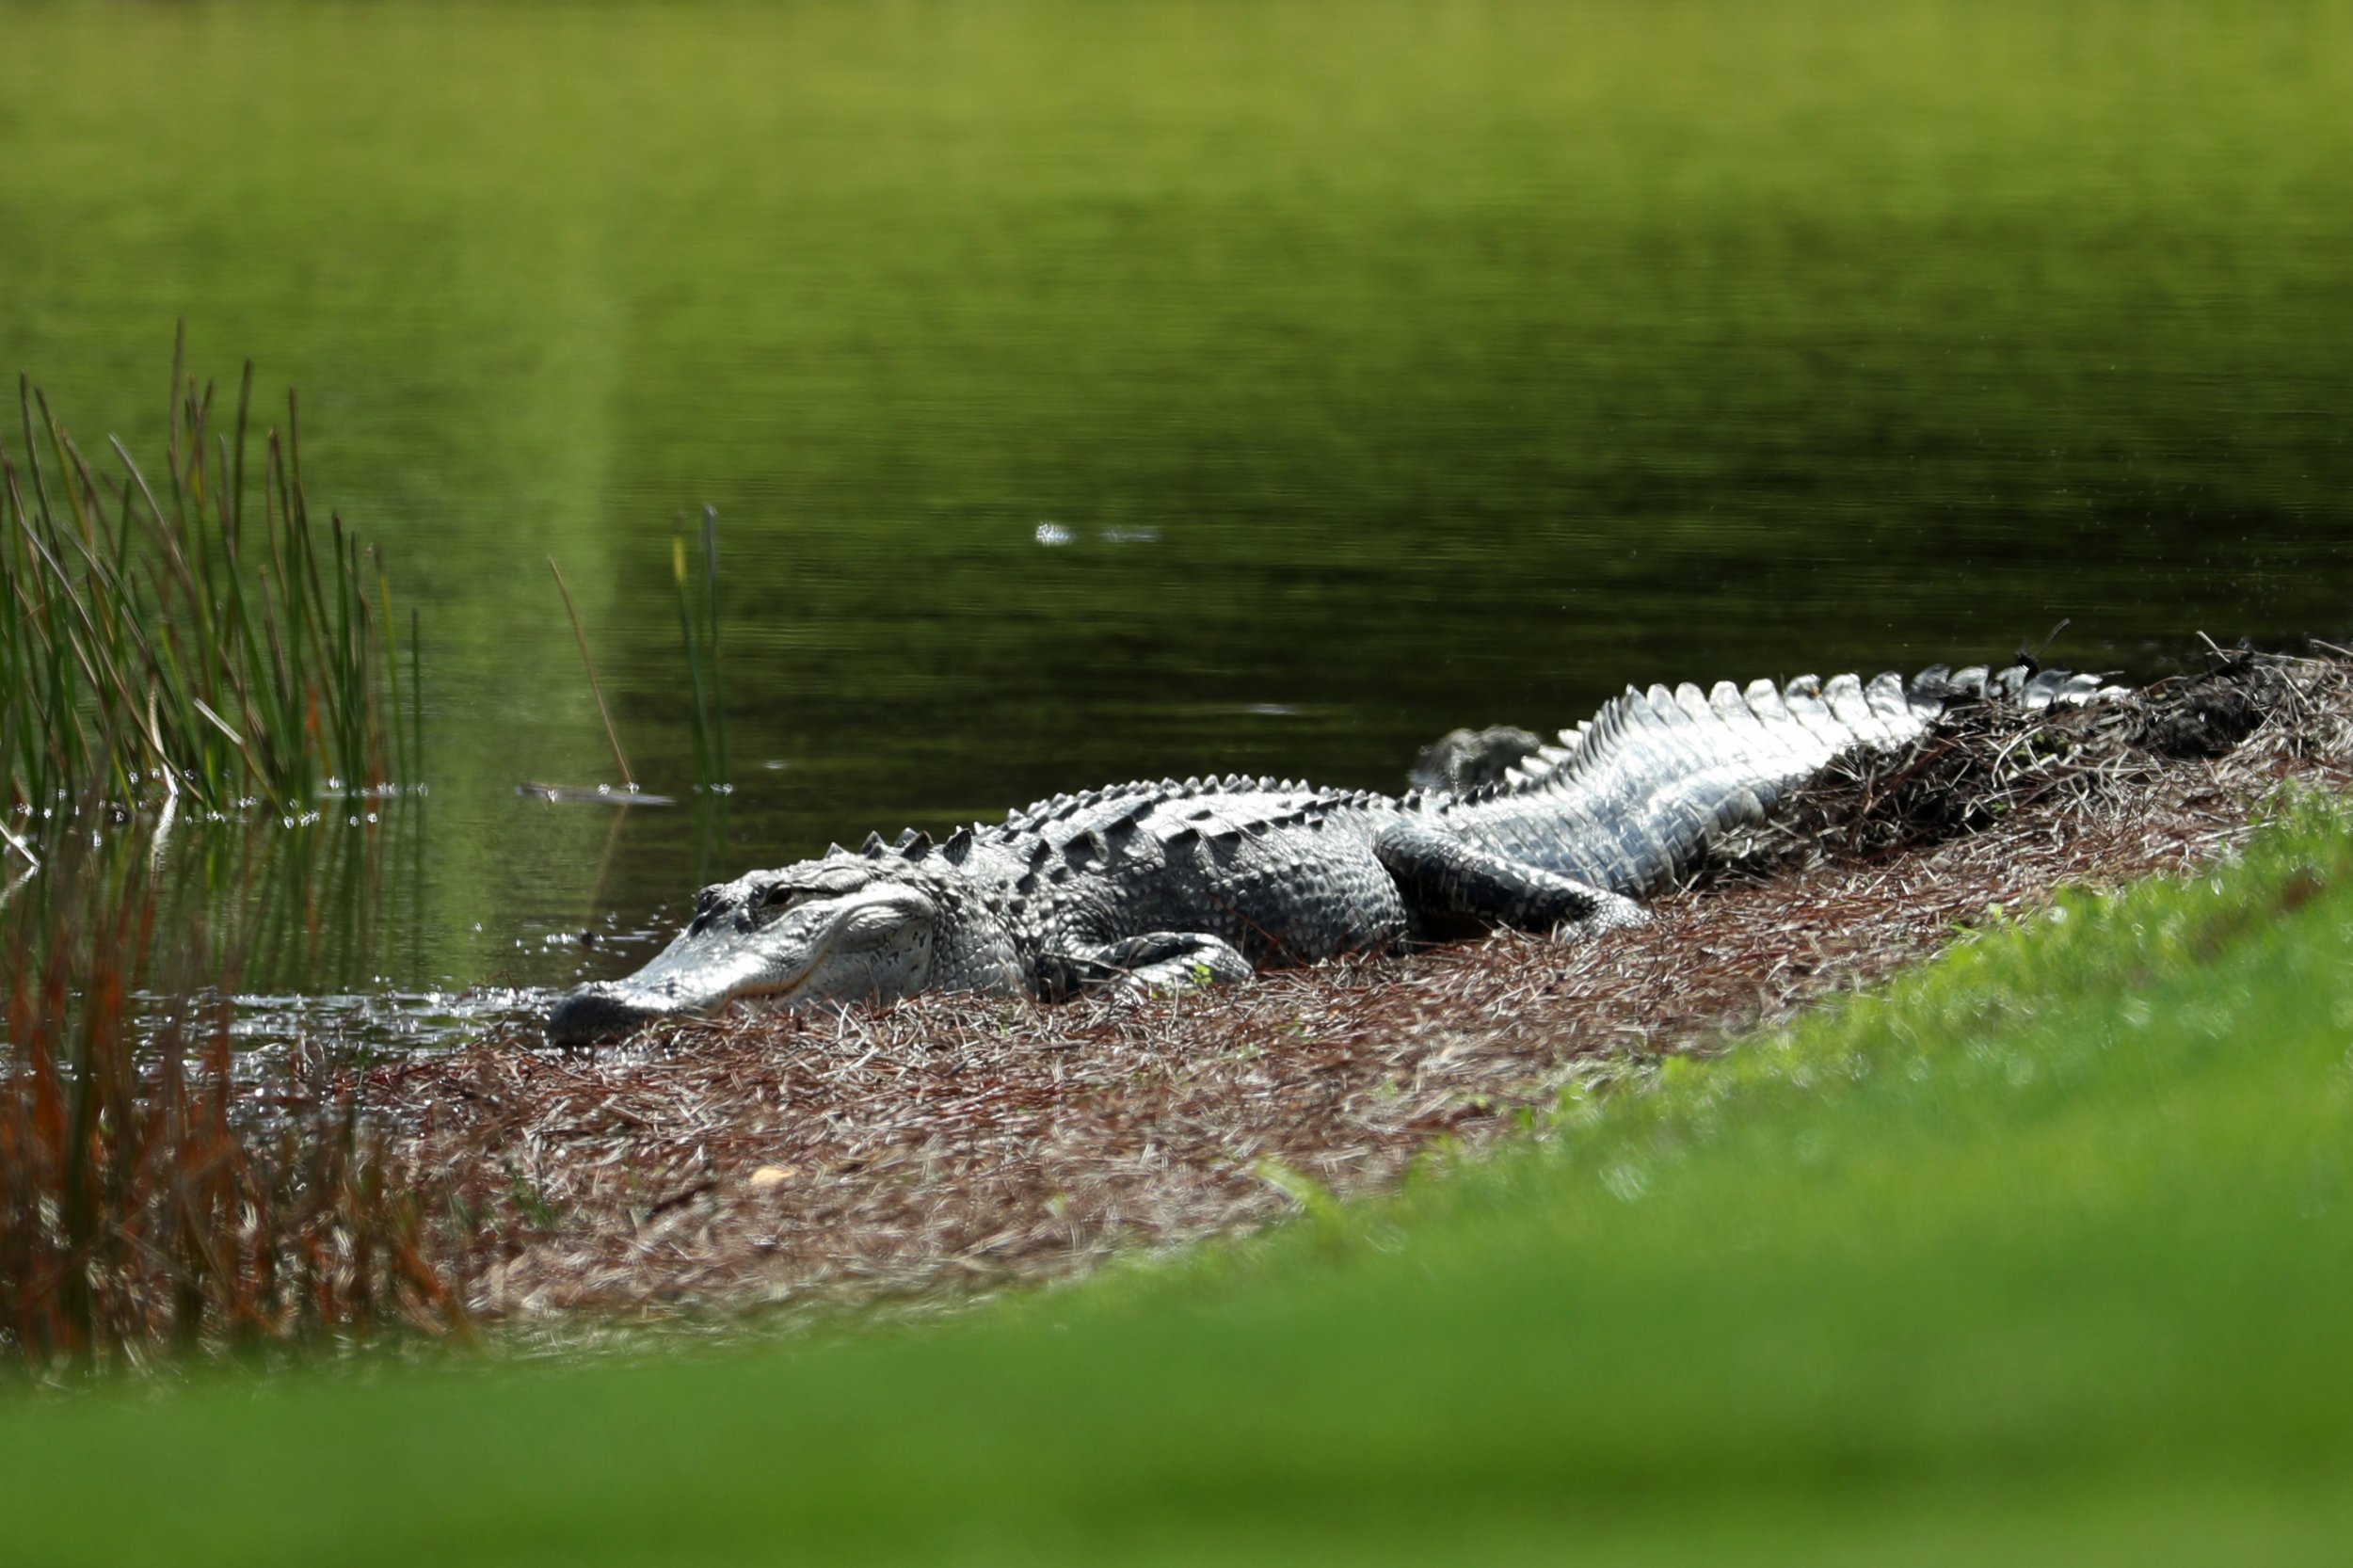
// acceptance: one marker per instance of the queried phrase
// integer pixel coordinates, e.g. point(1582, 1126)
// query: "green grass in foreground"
point(2044, 1256)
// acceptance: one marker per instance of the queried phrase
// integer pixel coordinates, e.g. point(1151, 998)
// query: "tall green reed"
point(697, 590)
point(699, 630)
point(595, 687)
point(200, 641)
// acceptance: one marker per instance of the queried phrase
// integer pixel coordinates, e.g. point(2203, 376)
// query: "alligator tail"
point(1633, 798)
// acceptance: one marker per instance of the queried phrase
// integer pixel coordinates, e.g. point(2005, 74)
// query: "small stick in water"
point(594, 689)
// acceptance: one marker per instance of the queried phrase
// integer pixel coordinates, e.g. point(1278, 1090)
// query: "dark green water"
point(1385, 368)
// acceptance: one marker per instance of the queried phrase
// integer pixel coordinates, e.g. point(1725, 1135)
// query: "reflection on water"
point(304, 924)
point(330, 930)
point(1097, 393)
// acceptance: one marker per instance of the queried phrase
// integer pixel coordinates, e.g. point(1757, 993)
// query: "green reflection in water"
point(1385, 366)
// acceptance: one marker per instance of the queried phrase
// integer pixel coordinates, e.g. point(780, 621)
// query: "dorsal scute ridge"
point(1644, 740)
point(1843, 696)
point(1780, 725)
point(1802, 696)
point(1888, 699)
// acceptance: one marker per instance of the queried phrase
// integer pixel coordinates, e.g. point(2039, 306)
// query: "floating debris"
point(601, 794)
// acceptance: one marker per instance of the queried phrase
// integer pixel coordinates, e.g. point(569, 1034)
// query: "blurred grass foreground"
point(2042, 1256)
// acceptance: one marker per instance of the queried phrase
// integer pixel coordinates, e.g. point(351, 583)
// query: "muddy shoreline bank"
point(952, 1146)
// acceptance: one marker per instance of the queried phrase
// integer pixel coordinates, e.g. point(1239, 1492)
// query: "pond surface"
point(1095, 392)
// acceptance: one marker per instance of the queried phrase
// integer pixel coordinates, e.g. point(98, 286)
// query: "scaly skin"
point(1164, 883)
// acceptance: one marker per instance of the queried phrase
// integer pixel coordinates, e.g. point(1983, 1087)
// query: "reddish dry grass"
point(145, 1200)
point(949, 1143)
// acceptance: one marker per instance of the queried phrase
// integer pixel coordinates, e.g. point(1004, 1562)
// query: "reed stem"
point(595, 689)
point(131, 655)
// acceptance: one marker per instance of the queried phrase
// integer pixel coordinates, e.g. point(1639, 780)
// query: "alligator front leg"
point(1455, 885)
point(1156, 961)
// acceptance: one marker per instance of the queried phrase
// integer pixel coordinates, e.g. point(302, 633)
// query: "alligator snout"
point(587, 1013)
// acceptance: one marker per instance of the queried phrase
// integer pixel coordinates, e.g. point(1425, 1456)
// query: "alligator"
point(1167, 884)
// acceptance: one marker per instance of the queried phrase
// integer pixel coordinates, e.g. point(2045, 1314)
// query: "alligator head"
point(837, 930)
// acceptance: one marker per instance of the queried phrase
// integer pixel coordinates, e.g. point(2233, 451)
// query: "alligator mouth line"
point(822, 943)
point(607, 1008)
point(757, 992)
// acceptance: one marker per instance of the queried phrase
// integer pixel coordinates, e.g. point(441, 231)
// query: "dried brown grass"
point(949, 1145)
point(150, 1199)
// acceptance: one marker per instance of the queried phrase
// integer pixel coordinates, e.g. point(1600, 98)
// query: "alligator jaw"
point(778, 964)
point(610, 1008)
point(607, 1009)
